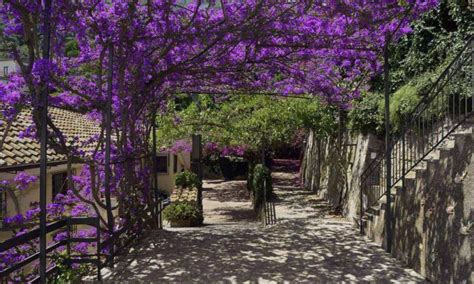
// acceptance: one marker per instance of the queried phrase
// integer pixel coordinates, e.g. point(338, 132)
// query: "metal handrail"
point(65, 223)
point(406, 158)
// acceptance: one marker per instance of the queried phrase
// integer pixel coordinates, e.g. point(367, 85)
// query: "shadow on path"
point(294, 250)
point(309, 244)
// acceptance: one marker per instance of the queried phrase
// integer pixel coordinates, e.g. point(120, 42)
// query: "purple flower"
point(23, 180)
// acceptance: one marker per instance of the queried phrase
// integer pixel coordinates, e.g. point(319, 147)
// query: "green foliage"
point(417, 60)
point(72, 48)
point(259, 122)
point(66, 273)
point(364, 115)
point(402, 103)
point(367, 114)
point(182, 210)
point(187, 179)
point(259, 175)
point(436, 36)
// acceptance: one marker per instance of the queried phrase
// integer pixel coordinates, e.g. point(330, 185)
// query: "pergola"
point(44, 228)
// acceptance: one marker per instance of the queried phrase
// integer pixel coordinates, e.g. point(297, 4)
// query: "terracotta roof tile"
point(18, 151)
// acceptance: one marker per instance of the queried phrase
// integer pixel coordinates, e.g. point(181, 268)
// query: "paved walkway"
point(308, 244)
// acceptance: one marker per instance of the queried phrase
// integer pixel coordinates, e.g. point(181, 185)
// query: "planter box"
point(185, 223)
point(181, 223)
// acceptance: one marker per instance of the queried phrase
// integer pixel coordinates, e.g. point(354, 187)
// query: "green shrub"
point(182, 211)
point(250, 176)
point(402, 103)
point(261, 174)
point(364, 115)
point(66, 273)
point(187, 179)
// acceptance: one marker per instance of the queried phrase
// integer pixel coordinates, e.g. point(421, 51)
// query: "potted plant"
point(183, 214)
point(187, 184)
point(188, 180)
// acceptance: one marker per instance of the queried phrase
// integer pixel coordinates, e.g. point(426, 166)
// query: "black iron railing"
point(106, 250)
point(268, 208)
point(447, 105)
point(57, 226)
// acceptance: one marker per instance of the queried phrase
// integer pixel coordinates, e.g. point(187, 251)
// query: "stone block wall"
point(332, 167)
point(433, 212)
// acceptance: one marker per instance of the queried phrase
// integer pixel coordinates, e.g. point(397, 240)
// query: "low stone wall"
point(433, 213)
point(332, 167)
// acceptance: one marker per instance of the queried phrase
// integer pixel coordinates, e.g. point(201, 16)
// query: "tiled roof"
point(18, 151)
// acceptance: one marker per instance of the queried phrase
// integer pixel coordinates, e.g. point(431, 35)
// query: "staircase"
point(432, 183)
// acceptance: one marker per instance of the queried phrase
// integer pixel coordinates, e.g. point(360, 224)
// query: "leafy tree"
point(256, 122)
point(152, 50)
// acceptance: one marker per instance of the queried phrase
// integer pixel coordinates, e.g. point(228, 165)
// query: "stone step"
point(447, 144)
point(434, 156)
point(421, 166)
point(383, 200)
point(463, 131)
point(409, 184)
point(374, 210)
point(410, 176)
point(368, 216)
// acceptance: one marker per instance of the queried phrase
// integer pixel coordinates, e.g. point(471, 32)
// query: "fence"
point(115, 244)
point(64, 224)
point(268, 208)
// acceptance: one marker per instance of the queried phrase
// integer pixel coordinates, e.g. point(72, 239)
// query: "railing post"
point(160, 216)
point(472, 72)
point(265, 202)
point(403, 151)
point(388, 152)
point(157, 199)
point(68, 244)
point(108, 141)
point(99, 249)
point(361, 206)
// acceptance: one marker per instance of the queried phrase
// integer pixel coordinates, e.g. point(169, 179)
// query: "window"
point(162, 164)
point(5, 71)
point(3, 205)
point(175, 163)
point(59, 183)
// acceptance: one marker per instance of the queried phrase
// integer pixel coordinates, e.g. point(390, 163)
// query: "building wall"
point(10, 65)
point(166, 180)
point(22, 200)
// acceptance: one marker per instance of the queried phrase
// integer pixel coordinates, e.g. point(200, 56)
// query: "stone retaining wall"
point(433, 212)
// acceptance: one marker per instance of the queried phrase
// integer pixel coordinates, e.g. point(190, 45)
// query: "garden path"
point(308, 244)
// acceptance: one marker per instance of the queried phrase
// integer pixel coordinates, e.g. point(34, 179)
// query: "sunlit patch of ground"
point(227, 202)
point(309, 244)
